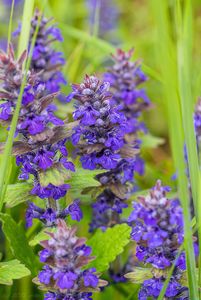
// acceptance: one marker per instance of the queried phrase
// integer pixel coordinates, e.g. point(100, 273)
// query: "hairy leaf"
point(18, 242)
point(106, 246)
point(18, 193)
point(12, 269)
point(82, 179)
point(55, 175)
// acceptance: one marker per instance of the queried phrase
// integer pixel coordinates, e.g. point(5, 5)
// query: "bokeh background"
point(87, 47)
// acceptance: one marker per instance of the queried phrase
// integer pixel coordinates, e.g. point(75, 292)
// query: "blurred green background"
point(136, 27)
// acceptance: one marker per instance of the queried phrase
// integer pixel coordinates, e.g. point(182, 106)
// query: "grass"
point(170, 72)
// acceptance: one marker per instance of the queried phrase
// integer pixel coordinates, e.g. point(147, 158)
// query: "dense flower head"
point(41, 148)
point(36, 112)
point(65, 256)
point(125, 77)
point(102, 126)
point(157, 228)
point(108, 15)
point(46, 60)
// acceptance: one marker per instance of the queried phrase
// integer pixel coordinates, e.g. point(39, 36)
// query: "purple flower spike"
point(157, 228)
point(65, 255)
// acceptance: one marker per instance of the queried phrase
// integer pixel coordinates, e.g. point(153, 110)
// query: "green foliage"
point(18, 242)
point(139, 275)
point(10, 270)
point(18, 193)
point(106, 246)
point(55, 175)
point(150, 141)
point(82, 179)
point(41, 236)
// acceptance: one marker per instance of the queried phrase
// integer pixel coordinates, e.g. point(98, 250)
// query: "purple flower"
point(49, 215)
point(44, 254)
point(65, 255)
point(44, 159)
point(45, 275)
point(157, 228)
point(90, 279)
point(65, 280)
point(6, 111)
point(75, 211)
point(102, 127)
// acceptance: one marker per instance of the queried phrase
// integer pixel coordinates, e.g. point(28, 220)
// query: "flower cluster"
point(42, 145)
point(108, 15)
point(100, 139)
point(157, 227)
point(100, 133)
point(64, 275)
point(125, 77)
point(46, 61)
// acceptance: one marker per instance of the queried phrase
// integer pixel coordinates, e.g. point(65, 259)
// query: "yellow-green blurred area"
point(88, 53)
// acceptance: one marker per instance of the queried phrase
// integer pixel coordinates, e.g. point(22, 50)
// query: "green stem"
point(10, 23)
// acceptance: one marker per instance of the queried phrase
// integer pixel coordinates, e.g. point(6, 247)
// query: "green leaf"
point(82, 179)
point(41, 236)
point(12, 269)
point(18, 242)
point(150, 141)
point(106, 246)
point(139, 275)
point(18, 193)
point(55, 175)
point(26, 25)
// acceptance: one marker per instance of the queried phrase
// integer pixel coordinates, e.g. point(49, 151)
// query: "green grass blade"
point(26, 26)
point(184, 54)
point(167, 57)
point(9, 143)
point(10, 23)
point(95, 31)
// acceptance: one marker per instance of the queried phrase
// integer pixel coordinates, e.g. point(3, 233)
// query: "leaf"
point(106, 246)
point(18, 193)
point(18, 242)
point(55, 175)
point(151, 141)
point(12, 269)
point(41, 236)
point(139, 275)
point(82, 179)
